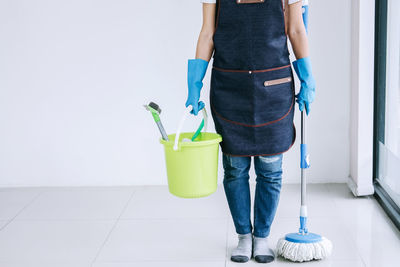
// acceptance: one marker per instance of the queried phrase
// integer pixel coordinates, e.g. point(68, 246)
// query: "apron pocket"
point(249, 1)
point(241, 97)
point(277, 81)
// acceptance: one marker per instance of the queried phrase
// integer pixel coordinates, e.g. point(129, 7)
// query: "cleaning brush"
point(155, 111)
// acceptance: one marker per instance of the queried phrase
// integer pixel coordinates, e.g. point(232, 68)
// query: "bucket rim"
point(216, 140)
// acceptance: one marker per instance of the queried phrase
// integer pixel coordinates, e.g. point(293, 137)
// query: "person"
point(252, 99)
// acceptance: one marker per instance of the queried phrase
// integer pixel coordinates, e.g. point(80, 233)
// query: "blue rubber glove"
point(306, 95)
point(196, 71)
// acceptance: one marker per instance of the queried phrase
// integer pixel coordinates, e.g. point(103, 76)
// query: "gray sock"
point(242, 253)
point(262, 252)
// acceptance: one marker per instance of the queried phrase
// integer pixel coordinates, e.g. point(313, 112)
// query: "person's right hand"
point(196, 71)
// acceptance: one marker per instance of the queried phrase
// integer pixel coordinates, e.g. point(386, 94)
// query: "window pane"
point(389, 151)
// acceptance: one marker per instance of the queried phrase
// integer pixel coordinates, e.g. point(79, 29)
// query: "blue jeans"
point(268, 186)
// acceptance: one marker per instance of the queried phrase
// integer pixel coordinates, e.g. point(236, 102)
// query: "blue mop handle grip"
point(304, 157)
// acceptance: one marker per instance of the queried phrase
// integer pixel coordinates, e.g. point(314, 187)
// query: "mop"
point(304, 246)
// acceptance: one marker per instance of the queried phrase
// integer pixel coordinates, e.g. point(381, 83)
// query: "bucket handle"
point(182, 121)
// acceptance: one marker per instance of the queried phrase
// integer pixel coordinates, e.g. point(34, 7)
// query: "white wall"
point(75, 74)
point(362, 97)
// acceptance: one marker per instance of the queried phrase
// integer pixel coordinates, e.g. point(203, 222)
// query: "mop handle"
point(162, 130)
point(304, 159)
point(304, 164)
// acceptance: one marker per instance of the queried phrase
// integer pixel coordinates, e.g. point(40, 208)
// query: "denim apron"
point(252, 88)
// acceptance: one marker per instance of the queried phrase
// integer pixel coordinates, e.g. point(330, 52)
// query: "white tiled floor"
point(147, 226)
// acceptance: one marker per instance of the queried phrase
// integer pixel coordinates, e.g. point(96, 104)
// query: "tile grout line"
point(369, 197)
point(226, 240)
point(112, 228)
point(227, 234)
point(362, 260)
point(348, 230)
point(21, 210)
point(359, 253)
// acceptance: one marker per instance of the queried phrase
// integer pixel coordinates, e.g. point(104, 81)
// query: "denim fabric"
point(250, 36)
point(251, 118)
point(268, 185)
point(243, 98)
point(251, 48)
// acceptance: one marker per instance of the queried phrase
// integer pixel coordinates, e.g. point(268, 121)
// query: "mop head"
point(304, 249)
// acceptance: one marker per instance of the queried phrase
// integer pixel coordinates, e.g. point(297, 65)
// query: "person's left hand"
point(307, 90)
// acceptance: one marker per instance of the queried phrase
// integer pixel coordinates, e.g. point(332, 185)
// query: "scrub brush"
point(156, 111)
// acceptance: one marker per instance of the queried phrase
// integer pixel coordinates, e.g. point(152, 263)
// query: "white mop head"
point(304, 251)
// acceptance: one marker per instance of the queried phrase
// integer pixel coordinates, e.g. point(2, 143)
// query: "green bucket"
point(192, 167)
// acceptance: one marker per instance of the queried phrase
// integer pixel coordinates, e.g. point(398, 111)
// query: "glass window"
point(387, 108)
point(389, 145)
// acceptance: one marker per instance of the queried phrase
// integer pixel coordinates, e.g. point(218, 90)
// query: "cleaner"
point(252, 99)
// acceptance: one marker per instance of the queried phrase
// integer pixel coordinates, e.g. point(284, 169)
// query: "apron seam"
point(255, 71)
point(284, 16)
point(255, 125)
point(217, 17)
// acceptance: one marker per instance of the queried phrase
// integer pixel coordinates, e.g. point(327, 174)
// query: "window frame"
point(384, 199)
